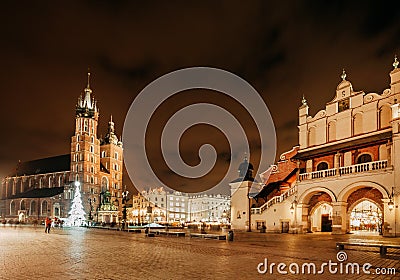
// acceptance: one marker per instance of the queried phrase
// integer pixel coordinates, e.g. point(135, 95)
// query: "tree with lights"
point(76, 214)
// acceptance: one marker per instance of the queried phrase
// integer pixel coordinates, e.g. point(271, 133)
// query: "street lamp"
point(124, 199)
point(391, 203)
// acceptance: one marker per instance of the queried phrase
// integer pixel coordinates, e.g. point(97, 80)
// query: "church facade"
point(45, 187)
point(345, 174)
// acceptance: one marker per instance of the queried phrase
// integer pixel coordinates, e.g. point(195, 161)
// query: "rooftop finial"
point(396, 62)
point(343, 76)
point(88, 79)
point(304, 101)
point(111, 119)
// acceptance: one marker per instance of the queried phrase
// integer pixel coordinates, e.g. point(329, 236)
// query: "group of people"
point(49, 222)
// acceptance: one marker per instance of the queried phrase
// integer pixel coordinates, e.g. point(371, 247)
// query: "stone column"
point(339, 217)
point(302, 220)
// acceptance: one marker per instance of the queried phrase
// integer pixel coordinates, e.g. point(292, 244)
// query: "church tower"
point(111, 160)
point(241, 197)
point(85, 147)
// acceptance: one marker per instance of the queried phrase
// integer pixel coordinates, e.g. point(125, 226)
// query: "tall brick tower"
point(85, 147)
point(111, 156)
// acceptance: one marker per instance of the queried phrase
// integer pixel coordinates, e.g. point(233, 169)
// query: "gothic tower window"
point(50, 182)
point(22, 206)
point(103, 154)
point(40, 182)
point(86, 129)
point(77, 147)
point(44, 208)
point(12, 208)
point(91, 149)
point(78, 138)
point(33, 208)
point(92, 139)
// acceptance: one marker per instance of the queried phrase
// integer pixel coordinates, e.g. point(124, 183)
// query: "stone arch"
point(348, 190)
point(355, 203)
point(305, 197)
point(22, 205)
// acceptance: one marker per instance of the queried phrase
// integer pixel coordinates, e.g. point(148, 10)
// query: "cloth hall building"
point(344, 176)
point(45, 187)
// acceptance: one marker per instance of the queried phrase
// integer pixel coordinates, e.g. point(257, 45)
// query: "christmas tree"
point(77, 214)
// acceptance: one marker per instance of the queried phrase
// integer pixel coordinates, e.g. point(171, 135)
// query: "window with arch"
point(12, 208)
point(116, 155)
point(384, 116)
point(92, 180)
point(357, 124)
point(92, 159)
point(23, 205)
point(77, 177)
point(92, 139)
point(50, 182)
point(60, 180)
point(322, 166)
point(44, 208)
point(311, 136)
point(78, 138)
point(364, 158)
point(33, 208)
point(91, 149)
point(40, 182)
point(104, 183)
point(86, 128)
point(30, 182)
point(92, 169)
point(103, 154)
point(77, 147)
point(332, 131)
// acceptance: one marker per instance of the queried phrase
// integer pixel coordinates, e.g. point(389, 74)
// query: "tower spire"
point(88, 79)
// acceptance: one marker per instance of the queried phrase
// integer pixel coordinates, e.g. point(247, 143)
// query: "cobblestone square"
point(80, 253)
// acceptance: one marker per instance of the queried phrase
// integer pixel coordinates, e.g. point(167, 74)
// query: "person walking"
point(48, 225)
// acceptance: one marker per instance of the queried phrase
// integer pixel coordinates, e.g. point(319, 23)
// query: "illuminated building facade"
point(45, 187)
point(344, 175)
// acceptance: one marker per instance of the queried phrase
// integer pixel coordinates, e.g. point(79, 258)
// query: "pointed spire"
point(343, 76)
point(88, 78)
point(304, 101)
point(396, 62)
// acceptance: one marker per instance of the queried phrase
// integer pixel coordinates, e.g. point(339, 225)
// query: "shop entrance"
point(366, 216)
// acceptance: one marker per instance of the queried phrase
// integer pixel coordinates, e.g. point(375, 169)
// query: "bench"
point(382, 247)
point(168, 233)
point(208, 236)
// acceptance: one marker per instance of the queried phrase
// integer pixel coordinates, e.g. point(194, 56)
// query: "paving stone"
point(80, 253)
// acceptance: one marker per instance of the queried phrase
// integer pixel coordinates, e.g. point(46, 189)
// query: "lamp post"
point(293, 209)
point(124, 199)
point(391, 203)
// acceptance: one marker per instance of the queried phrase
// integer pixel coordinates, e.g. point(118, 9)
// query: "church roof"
point(44, 165)
point(39, 193)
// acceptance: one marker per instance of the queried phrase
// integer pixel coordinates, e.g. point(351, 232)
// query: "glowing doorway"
point(366, 216)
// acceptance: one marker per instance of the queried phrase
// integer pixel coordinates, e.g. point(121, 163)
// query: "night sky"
point(283, 50)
